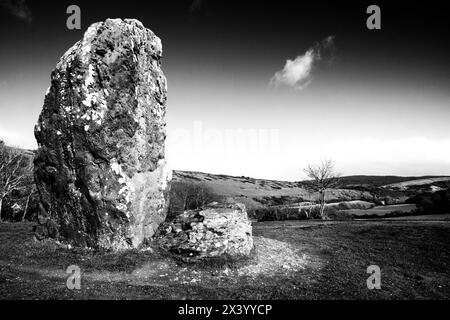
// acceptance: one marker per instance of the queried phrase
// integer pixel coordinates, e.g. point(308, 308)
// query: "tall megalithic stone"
point(100, 168)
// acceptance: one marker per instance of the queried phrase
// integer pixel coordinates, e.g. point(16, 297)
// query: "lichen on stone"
point(212, 231)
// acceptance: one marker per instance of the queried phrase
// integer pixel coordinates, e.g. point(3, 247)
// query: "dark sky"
point(384, 93)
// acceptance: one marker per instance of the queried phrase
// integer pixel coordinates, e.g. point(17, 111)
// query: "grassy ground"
point(292, 260)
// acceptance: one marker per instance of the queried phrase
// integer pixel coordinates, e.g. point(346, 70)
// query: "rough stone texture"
point(213, 231)
point(100, 167)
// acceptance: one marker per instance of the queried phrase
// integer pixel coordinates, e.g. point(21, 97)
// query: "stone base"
point(215, 230)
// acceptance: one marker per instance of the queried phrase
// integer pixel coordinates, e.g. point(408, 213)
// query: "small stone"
point(227, 230)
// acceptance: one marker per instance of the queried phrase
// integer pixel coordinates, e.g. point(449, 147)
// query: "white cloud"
point(297, 73)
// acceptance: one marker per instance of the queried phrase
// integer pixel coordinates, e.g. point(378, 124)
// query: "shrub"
point(185, 195)
point(334, 214)
point(280, 214)
point(437, 202)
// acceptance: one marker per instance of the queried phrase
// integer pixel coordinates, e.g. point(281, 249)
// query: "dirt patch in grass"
point(273, 257)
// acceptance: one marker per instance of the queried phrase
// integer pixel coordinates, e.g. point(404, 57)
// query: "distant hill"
point(346, 181)
point(259, 193)
point(378, 181)
point(418, 182)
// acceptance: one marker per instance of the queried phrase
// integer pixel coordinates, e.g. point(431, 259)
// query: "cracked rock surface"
point(100, 168)
point(212, 231)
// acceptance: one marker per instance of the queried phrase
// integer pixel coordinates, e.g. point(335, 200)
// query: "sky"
point(259, 88)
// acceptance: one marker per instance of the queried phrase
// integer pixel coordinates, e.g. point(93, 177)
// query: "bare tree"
point(323, 177)
point(14, 168)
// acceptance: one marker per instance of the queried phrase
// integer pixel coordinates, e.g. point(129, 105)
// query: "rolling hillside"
point(256, 193)
point(419, 182)
point(260, 193)
point(380, 181)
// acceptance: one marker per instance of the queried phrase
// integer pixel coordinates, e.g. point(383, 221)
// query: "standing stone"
point(100, 167)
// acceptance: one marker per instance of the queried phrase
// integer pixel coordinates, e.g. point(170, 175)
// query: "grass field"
point(292, 260)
